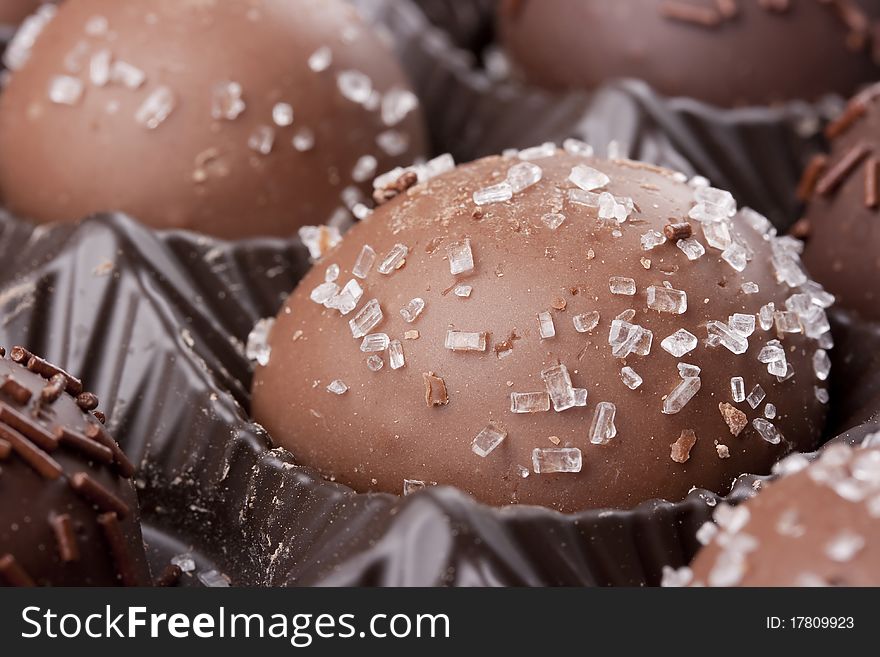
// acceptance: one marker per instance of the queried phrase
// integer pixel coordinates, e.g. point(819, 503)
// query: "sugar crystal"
point(375, 362)
point(588, 178)
point(321, 59)
point(364, 261)
point(553, 220)
point(303, 140)
point(355, 86)
point(631, 378)
point(226, 101)
point(756, 396)
point(395, 355)
point(319, 239)
point(767, 431)
point(729, 339)
point(667, 300)
point(397, 103)
point(346, 299)
point(213, 579)
point(375, 342)
point(577, 147)
point(465, 341)
point(602, 428)
point(185, 562)
point(677, 578)
point(750, 288)
point(127, 75)
point(545, 325)
point(558, 384)
point(737, 389)
point(622, 285)
point(412, 310)
point(463, 291)
point(686, 370)
point(487, 440)
point(821, 364)
point(691, 248)
point(770, 411)
point(411, 486)
point(765, 316)
point(585, 322)
point(337, 387)
point(717, 234)
point(742, 323)
point(99, 67)
point(262, 139)
point(736, 256)
point(367, 318)
point(681, 395)
point(156, 108)
point(529, 402)
point(493, 194)
point(821, 395)
point(65, 90)
point(324, 292)
point(523, 175)
point(787, 321)
point(393, 259)
point(771, 351)
point(461, 258)
point(550, 460)
point(547, 149)
point(258, 349)
point(680, 343)
point(364, 168)
point(652, 239)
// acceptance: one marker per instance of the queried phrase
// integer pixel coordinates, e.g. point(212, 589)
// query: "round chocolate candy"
point(548, 328)
point(731, 52)
point(69, 513)
point(817, 526)
point(234, 118)
point(843, 218)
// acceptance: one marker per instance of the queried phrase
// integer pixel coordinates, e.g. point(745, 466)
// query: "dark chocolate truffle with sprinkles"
point(69, 513)
point(842, 222)
point(819, 525)
point(726, 52)
point(521, 327)
point(234, 118)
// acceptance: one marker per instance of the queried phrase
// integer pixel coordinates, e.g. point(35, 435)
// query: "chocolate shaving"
point(125, 569)
point(839, 172)
point(96, 432)
point(92, 449)
point(678, 231)
point(97, 494)
point(15, 391)
point(687, 13)
point(28, 427)
point(872, 194)
point(681, 449)
point(52, 390)
point(45, 465)
point(13, 574)
point(558, 303)
point(735, 419)
point(810, 177)
point(435, 390)
point(62, 526)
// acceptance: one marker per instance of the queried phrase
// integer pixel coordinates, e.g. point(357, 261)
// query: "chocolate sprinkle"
point(52, 390)
point(838, 173)
point(68, 549)
point(35, 457)
point(17, 392)
point(87, 401)
point(47, 370)
point(109, 523)
point(872, 195)
point(810, 177)
point(28, 427)
point(96, 432)
point(97, 494)
point(89, 447)
point(5, 449)
point(678, 231)
point(13, 573)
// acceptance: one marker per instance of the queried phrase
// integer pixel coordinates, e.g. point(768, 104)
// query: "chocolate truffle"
point(234, 118)
point(69, 514)
point(725, 52)
point(843, 216)
point(817, 526)
point(548, 328)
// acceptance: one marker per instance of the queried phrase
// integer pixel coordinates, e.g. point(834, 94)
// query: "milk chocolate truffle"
point(843, 216)
point(725, 52)
point(819, 526)
point(233, 118)
point(68, 508)
point(548, 328)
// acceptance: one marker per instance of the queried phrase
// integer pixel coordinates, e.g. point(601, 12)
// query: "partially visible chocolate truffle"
point(817, 527)
point(842, 222)
point(68, 507)
point(233, 118)
point(549, 328)
point(729, 52)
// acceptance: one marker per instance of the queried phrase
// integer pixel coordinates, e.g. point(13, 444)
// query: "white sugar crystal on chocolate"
point(577, 147)
point(324, 292)
point(622, 285)
point(184, 561)
point(156, 108)
point(65, 90)
point(303, 140)
point(844, 546)
point(396, 357)
point(630, 378)
point(337, 387)
point(375, 342)
point(817, 294)
point(213, 579)
point(588, 178)
point(680, 343)
point(821, 395)
point(742, 324)
point(553, 220)
point(99, 67)
point(19, 49)
point(412, 486)
point(529, 402)
point(682, 393)
point(347, 298)
point(523, 175)
point(547, 149)
point(545, 325)
point(463, 291)
point(613, 208)
point(770, 411)
point(412, 310)
point(651, 239)
point(282, 114)
point(706, 532)
point(789, 372)
point(355, 86)
point(627, 315)
point(815, 323)
point(319, 239)
point(465, 341)
point(497, 193)
point(364, 168)
point(127, 75)
point(393, 259)
point(717, 234)
point(626, 339)
point(691, 248)
point(397, 103)
point(550, 460)
point(786, 322)
point(767, 431)
point(331, 273)
point(558, 383)
point(712, 204)
point(726, 337)
point(367, 318)
point(771, 351)
point(667, 300)
point(675, 578)
point(364, 262)
point(392, 142)
point(321, 59)
point(226, 100)
point(602, 428)
point(488, 440)
point(585, 322)
point(581, 197)
point(687, 371)
point(736, 256)
point(262, 139)
point(580, 396)
point(375, 362)
point(461, 257)
point(737, 389)
point(258, 349)
point(750, 288)
point(821, 364)
point(765, 316)
point(758, 222)
point(756, 396)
